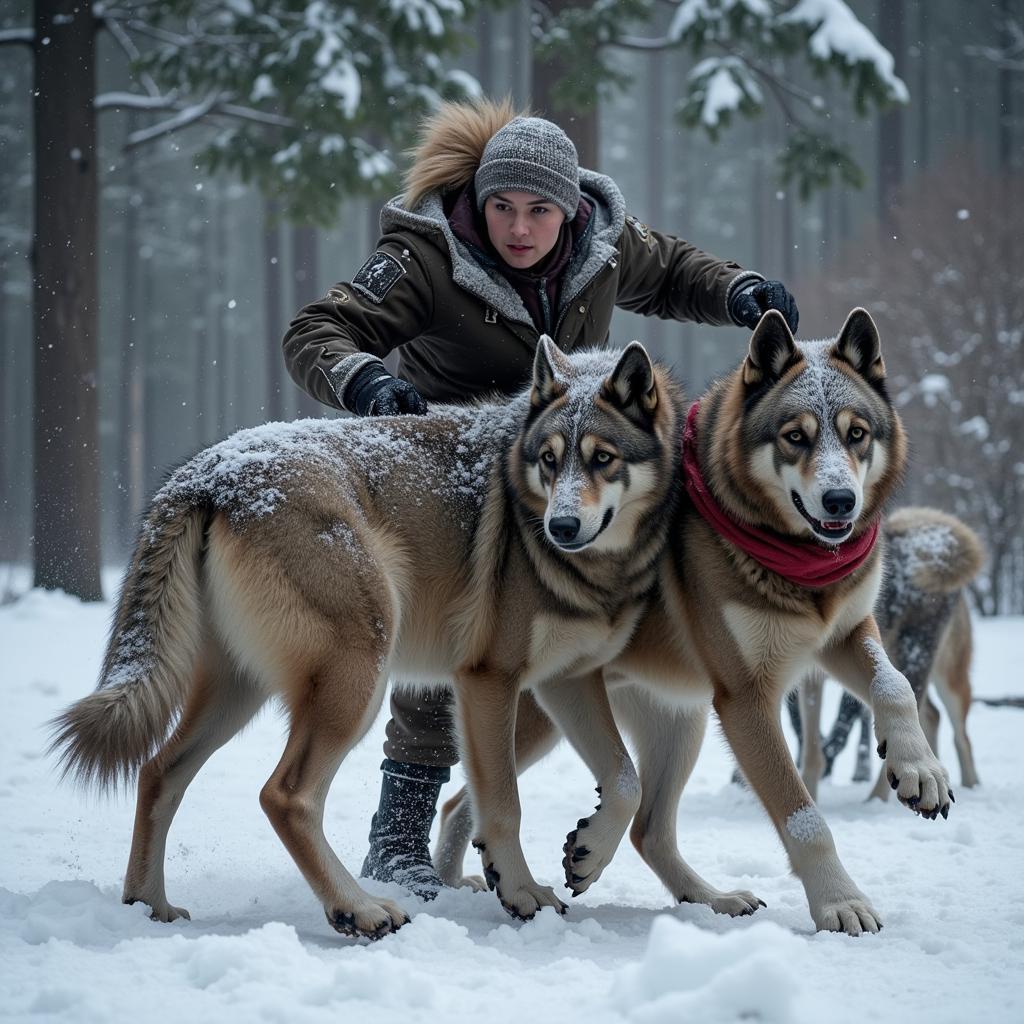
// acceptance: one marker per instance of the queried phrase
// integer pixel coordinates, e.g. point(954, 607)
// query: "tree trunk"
point(924, 44)
point(66, 534)
point(890, 124)
point(1005, 81)
point(273, 309)
point(306, 284)
point(580, 125)
point(131, 433)
point(655, 332)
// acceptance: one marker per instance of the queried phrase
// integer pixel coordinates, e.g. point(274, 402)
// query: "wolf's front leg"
point(580, 708)
point(487, 713)
point(751, 723)
point(860, 662)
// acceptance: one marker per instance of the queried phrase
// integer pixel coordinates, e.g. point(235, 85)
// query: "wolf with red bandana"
point(774, 566)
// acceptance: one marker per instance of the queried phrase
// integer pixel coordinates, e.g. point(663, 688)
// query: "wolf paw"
point(160, 910)
point(920, 781)
point(368, 919)
point(525, 901)
point(852, 916)
point(591, 845)
point(474, 882)
point(736, 904)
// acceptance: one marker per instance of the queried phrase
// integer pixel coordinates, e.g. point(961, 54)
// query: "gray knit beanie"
point(530, 155)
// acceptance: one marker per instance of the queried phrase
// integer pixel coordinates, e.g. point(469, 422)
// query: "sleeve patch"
point(639, 227)
point(378, 275)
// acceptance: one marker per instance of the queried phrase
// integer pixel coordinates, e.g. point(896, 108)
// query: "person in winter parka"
point(499, 237)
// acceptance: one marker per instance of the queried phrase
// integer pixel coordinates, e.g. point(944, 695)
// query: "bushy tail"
point(104, 738)
point(451, 143)
point(941, 553)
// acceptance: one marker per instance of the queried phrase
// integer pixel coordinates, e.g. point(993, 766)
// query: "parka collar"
point(488, 283)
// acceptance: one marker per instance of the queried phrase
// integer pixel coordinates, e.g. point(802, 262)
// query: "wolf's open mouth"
point(832, 529)
point(609, 514)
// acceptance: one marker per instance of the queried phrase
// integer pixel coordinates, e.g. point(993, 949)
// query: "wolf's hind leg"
point(221, 702)
point(952, 679)
point(329, 715)
point(812, 757)
point(751, 723)
point(536, 735)
point(667, 742)
point(581, 709)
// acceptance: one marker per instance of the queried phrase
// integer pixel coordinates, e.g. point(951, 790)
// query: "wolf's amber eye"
point(548, 457)
point(857, 434)
point(795, 436)
point(603, 458)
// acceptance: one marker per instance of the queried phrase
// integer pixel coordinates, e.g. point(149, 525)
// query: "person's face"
point(522, 227)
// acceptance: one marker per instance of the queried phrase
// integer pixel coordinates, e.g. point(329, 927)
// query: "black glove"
point(374, 392)
point(749, 304)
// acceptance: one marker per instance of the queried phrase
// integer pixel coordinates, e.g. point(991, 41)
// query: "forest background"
point(242, 150)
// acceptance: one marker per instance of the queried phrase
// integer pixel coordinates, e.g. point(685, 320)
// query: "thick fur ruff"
point(451, 143)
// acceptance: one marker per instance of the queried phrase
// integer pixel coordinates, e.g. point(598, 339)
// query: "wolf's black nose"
point(839, 501)
point(564, 529)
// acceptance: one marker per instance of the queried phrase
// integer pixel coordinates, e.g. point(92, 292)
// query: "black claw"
point(582, 823)
point(913, 801)
point(945, 811)
point(951, 797)
point(479, 844)
point(763, 904)
point(342, 922)
point(894, 782)
point(597, 790)
point(491, 877)
point(882, 747)
point(580, 854)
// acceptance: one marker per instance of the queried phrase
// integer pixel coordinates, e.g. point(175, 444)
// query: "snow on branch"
point(24, 36)
point(837, 33)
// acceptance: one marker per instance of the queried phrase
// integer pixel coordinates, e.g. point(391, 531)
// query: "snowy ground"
point(258, 947)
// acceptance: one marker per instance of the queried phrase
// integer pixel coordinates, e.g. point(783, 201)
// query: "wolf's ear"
point(630, 386)
point(548, 381)
point(858, 344)
point(772, 349)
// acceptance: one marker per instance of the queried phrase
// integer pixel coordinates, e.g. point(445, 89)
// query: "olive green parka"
point(462, 330)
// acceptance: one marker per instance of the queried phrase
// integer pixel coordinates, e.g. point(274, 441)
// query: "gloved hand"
point(375, 392)
point(749, 304)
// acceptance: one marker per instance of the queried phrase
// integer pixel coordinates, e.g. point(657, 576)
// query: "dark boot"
point(400, 830)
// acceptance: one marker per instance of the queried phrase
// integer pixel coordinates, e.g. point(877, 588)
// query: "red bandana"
point(805, 563)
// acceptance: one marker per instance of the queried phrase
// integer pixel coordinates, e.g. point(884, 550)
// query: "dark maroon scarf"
point(805, 563)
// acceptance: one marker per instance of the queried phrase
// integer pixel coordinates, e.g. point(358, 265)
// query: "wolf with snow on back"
point(930, 557)
point(772, 567)
point(494, 545)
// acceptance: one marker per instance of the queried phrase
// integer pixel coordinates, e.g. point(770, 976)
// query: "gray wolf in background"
point(802, 439)
point(493, 545)
point(926, 629)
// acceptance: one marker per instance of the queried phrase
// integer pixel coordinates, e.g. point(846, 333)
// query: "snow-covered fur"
point(922, 613)
point(495, 545)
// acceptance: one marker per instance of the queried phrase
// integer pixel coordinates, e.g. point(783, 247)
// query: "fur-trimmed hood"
point(428, 218)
